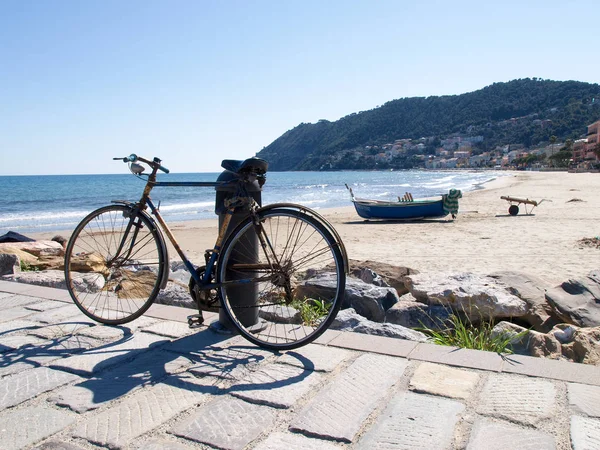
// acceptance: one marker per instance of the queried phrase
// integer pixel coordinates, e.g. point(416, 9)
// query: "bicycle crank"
point(206, 299)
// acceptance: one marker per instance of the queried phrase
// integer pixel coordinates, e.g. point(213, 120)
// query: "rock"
point(584, 347)
point(577, 301)
point(564, 332)
point(369, 301)
point(478, 297)
point(532, 290)
point(175, 295)
point(393, 276)
point(529, 342)
point(36, 248)
point(9, 264)
point(89, 282)
point(412, 314)
point(370, 277)
point(61, 240)
point(349, 320)
point(24, 257)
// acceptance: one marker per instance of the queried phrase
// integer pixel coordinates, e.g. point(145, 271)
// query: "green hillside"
point(525, 111)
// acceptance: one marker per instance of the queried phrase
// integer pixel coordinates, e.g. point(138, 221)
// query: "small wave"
point(184, 206)
point(42, 216)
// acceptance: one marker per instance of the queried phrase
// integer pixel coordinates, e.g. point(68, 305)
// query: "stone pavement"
point(67, 383)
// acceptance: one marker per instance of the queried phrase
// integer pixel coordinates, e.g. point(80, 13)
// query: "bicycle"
point(259, 273)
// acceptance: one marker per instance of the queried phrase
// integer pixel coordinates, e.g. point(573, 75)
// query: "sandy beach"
point(483, 239)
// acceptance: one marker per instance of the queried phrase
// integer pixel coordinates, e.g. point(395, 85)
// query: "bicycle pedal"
point(195, 320)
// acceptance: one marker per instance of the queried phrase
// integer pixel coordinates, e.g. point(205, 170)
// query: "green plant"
point(311, 310)
point(463, 333)
point(27, 267)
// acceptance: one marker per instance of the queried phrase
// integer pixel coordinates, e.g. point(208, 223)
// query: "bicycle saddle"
point(254, 165)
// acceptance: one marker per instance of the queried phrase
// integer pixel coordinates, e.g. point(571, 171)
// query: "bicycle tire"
point(272, 304)
point(126, 284)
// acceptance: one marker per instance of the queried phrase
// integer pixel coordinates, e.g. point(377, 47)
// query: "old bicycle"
point(260, 273)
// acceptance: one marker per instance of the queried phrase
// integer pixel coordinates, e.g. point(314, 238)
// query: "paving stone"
point(24, 427)
point(585, 433)
point(232, 363)
point(5, 294)
point(584, 399)
point(279, 441)
point(373, 344)
point(105, 332)
point(148, 368)
point(12, 300)
point(143, 411)
point(488, 435)
point(519, 399)
point(18, 312)
point(43, 305)
point(17, 388)
point(17, 327)
point(552, 368)
point(276, 385)
point(461, 357)
point(8, 343)
point(60, 330)
point(164, 444)
point(227, 423)
point(202, 341)
point(57, 445)
point(102, 358)
point(338, 411)
point(10, 368)
point(442, 380)
point(169, 328)
point(57, 314)
point(315, 357)
point(414, 421)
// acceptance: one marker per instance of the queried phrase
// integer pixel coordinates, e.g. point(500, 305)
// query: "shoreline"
point(483, 239)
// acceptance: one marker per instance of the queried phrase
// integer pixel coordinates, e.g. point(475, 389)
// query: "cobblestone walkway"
point(68, 383)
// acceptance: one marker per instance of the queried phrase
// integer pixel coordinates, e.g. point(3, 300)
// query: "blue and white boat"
point(407, 208)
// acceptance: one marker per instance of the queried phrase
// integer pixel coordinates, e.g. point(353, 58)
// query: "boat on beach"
point(407, 208)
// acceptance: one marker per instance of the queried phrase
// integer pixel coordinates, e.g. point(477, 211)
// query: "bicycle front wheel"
point(114, 264)
point(267, 272)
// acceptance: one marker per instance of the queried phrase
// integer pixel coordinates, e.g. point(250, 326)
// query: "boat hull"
point(400, 210)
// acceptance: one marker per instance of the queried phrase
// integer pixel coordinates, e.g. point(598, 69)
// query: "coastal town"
point(467, 151)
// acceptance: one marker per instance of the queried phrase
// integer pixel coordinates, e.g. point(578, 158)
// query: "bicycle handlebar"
point(154, 163)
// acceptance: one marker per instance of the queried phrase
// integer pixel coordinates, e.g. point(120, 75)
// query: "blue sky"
point(194, 82)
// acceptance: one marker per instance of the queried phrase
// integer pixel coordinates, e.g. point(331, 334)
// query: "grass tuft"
point(464, 334)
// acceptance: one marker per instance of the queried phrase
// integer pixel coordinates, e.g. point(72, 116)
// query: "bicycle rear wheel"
point(268, 275)
point(114, 264)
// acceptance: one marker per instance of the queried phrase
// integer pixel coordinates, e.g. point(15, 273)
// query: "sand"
point(483, 239)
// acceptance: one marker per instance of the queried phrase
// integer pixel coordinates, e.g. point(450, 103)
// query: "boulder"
point(532, 290)
point(476, 296)
point(413, 314)
point(9, 264)
point(89, 282)
point(368, 300)
point(24, 257)
point(577, 301)
point(36, 248)
point(175, 295)
point(349, 320)
point(393, 276)
point(529, 342)
point(584, 346)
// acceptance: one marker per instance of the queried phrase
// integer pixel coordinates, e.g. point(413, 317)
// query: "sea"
point(40, 203)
